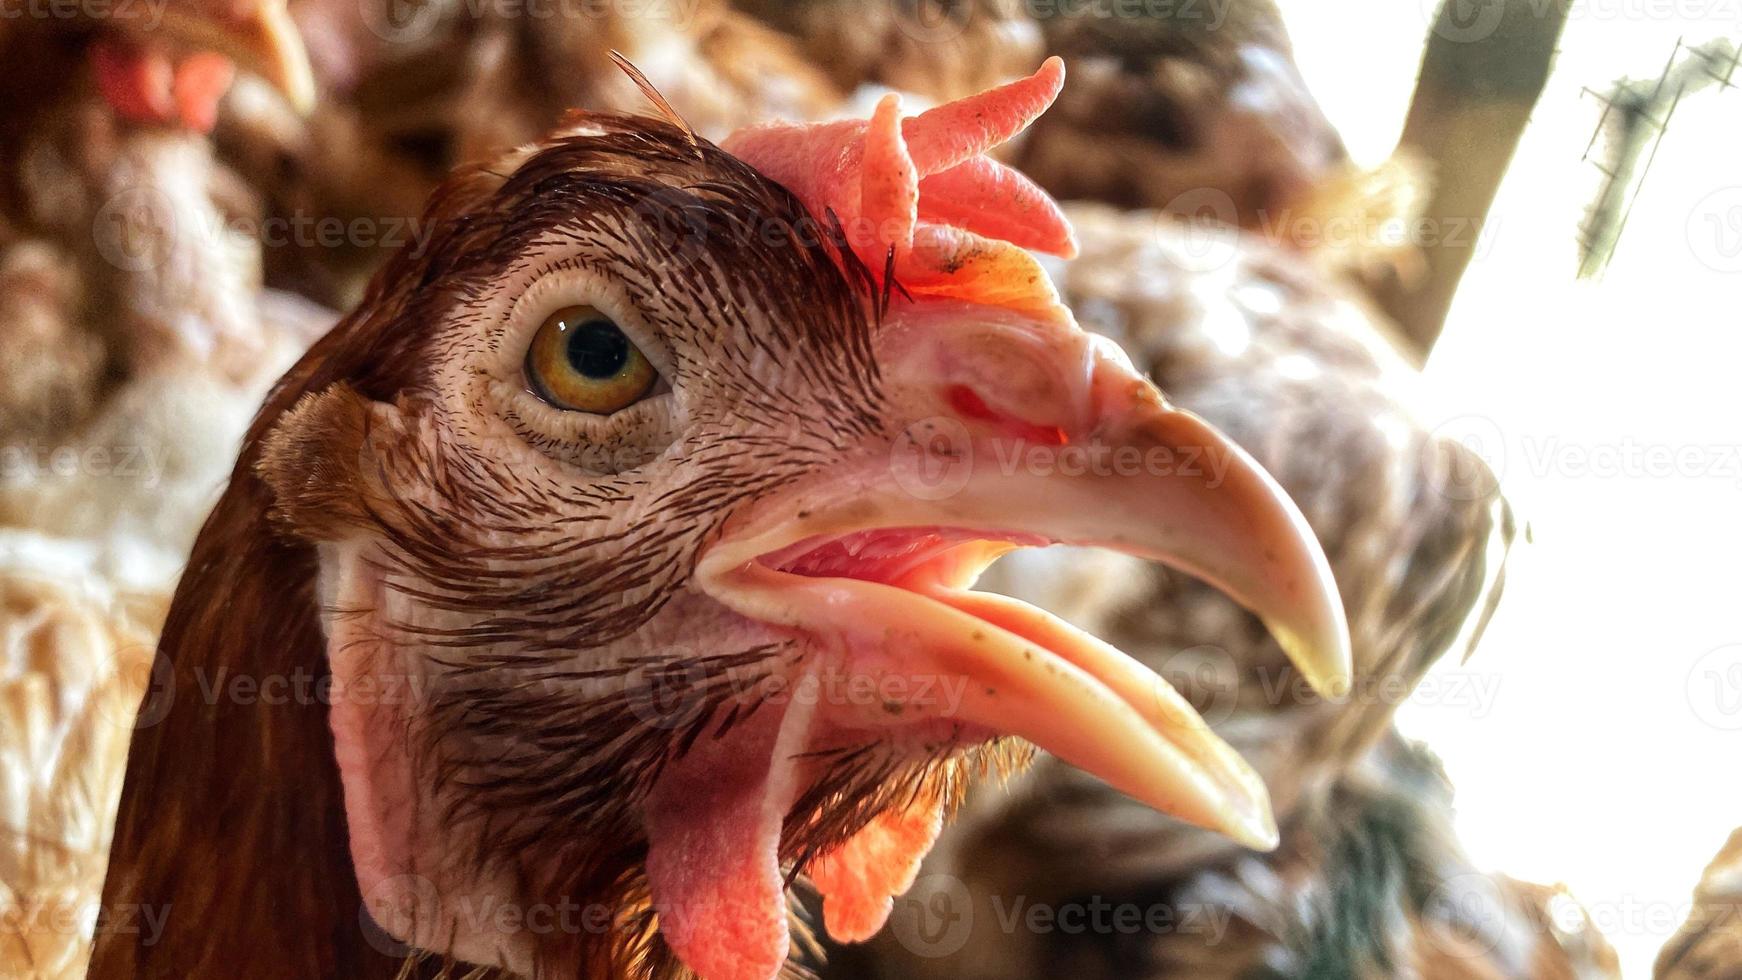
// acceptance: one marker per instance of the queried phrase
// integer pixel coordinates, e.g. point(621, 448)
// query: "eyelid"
point(581, 440)
point(553, 290)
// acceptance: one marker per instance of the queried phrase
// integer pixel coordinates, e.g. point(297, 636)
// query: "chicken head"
point(646, 502)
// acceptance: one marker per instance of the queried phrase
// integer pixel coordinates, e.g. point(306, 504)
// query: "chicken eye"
point(581, 361)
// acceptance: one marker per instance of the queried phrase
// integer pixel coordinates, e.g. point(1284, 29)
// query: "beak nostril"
point(968, 404)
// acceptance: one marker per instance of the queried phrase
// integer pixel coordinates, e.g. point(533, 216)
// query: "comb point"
point(949, 134)
point(917, 200)
point(888, 182)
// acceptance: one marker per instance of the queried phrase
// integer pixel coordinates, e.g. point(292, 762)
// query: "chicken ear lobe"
point(402, 843)
point(312, 461)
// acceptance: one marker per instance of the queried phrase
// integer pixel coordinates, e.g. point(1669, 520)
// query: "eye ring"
point(581, 361)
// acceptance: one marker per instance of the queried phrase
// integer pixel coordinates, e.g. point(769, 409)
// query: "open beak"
point(1021, 432)
point(258, 35)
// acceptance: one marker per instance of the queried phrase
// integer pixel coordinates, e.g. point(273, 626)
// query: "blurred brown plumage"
point(137, 338)
point(405, 101)
point(1709, 944)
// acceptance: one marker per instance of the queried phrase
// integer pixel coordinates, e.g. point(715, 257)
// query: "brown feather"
point(666, 112)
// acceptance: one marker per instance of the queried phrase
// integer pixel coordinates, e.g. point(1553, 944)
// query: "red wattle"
point(713, 843)
point(860, 879)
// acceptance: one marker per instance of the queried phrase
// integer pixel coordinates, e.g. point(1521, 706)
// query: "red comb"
point(957, 220)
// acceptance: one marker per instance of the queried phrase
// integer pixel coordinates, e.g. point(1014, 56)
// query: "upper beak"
point(258, 35)
point(1022, 431)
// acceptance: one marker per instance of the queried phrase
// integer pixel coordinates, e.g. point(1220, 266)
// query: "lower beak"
point(1028, 434)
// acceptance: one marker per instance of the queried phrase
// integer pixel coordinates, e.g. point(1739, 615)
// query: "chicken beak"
point(1023, 432)
point(259, 35)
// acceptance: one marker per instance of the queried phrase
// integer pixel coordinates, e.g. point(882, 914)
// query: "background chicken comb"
point(921, 190)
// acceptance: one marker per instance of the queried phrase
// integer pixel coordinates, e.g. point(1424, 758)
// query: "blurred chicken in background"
point(409, 91)
point(137, 341)
point(1200, 111)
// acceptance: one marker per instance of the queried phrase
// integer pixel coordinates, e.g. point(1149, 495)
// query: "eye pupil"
point(596, 348)
point(580, 361)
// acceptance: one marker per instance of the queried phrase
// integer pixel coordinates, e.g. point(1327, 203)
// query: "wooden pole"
point(1484, 68)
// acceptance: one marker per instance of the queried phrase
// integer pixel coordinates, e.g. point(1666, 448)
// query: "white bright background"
point(1596, 737)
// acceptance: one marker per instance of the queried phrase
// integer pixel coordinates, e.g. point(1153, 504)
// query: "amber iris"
point(582, 362)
